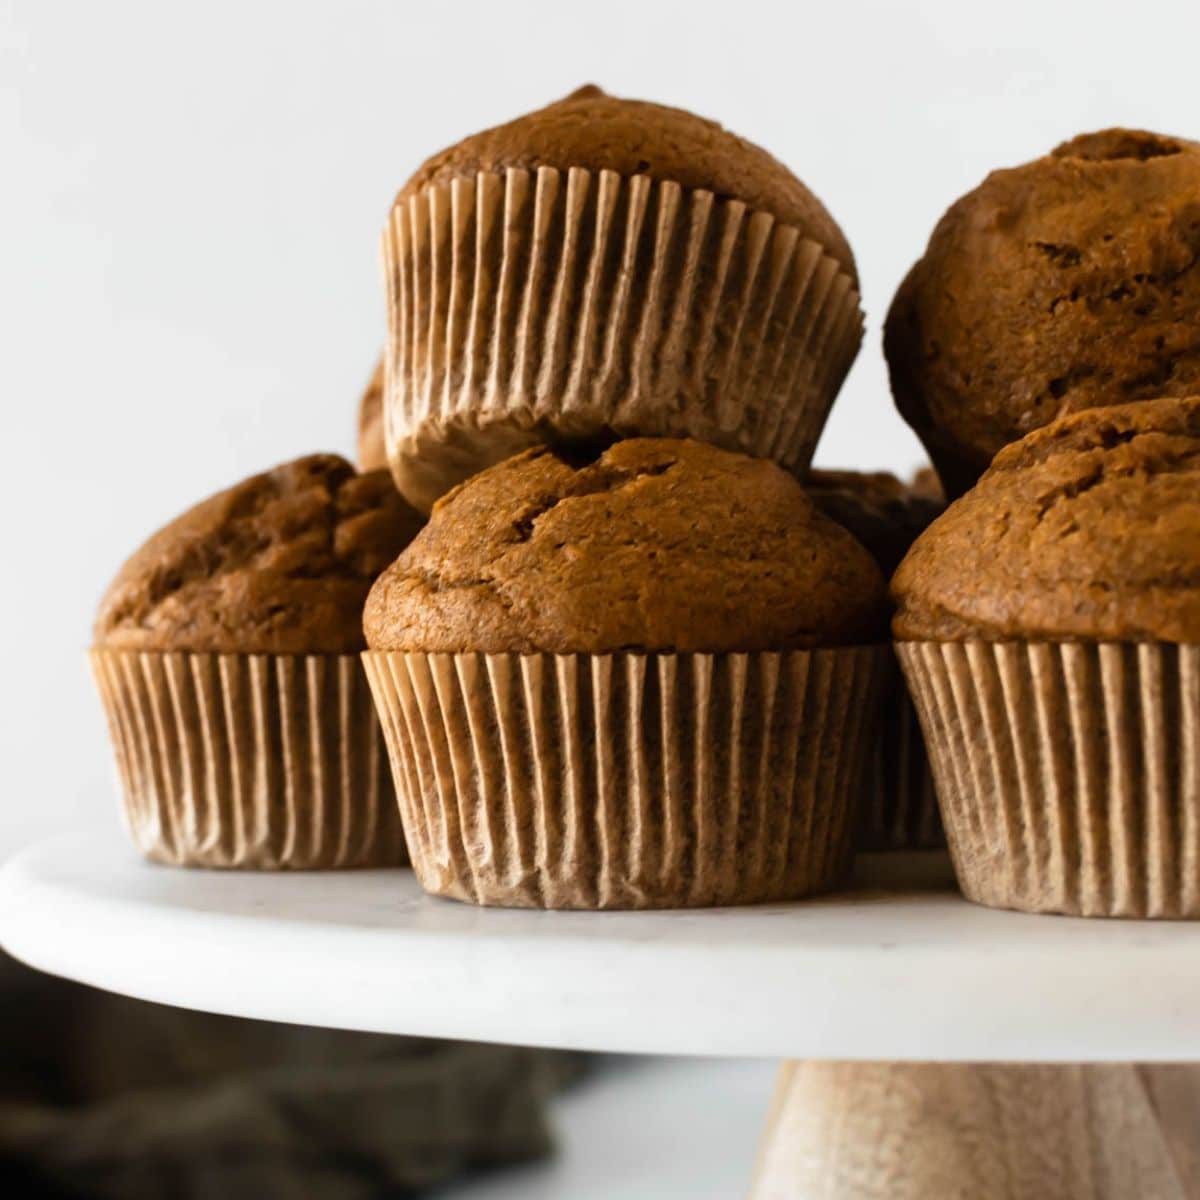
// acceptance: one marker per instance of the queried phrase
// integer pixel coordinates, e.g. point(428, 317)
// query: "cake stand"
point(930, 1044)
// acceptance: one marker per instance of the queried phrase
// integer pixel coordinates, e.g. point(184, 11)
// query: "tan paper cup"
point(250, 760)
point(899, 809)
point(1068, 774)
point(524, 304)
point(626, 780)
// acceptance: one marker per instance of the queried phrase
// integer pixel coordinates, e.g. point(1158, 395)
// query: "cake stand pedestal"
point(887, 996)
point(915, 1131)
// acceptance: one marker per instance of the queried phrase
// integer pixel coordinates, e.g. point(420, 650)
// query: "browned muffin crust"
point(372, 455)
point(657, 545)
point(1068, 282)
point(1087, 530)
point(278, 564)
point(883, 513)
point(925, 482)
point(598, 132)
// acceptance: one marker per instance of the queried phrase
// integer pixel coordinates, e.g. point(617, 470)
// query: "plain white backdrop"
point(191, 195)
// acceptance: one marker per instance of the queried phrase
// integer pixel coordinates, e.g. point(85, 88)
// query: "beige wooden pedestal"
point(958, 1131)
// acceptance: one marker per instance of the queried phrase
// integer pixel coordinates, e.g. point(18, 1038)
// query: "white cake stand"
point(887, 995)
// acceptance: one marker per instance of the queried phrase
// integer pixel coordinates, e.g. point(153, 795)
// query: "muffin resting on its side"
point(1056, 286)
point(1050, 633)
point(608, 266)
point(657, 545)
point(899, 809)
point(372, 454)
point(278, 564)
point(225, 655)
point(637, 681)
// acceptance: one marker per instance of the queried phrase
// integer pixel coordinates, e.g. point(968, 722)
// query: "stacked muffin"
point(1049, 622)
point(608, 268)
point(898, 806)
point(631, 664)
point(628, 662)
point(645, 679)
point(636, 656)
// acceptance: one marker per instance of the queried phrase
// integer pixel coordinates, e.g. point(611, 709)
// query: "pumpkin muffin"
point(226, 652)
point(884, 514)
point(607, 266)
point(1056, 286)
point(899, 809)
point(643, 679)
point(1049, 625)
point(372, 454)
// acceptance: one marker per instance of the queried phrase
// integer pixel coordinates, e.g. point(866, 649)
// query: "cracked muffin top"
point(885, 514)
point(599, 132)
point(657, 545)
point(278, 564)
point(1086, 530)
point(1066, 283)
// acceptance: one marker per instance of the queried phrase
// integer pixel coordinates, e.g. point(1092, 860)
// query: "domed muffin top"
point(1086, 530)
point(657, 545)
point(599, 132)
point(885, 514)
point(372, 456)
point(278, 564)
point(1066, 283)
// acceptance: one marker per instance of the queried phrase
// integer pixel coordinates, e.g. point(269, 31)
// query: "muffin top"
point(885, 514)
point(1086, 530)
point(599, 132)
point(278, 564)
point(1056, 286)
point(657, 545)
point(372, 456)
point(926, 482)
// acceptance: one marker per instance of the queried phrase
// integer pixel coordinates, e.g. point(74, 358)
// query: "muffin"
point(1053, 287)
point(927, 483)
point(643, 679)
point(884, 514)
point(226, 654)
point(1049, 627)
point(606, 267)
point(899, 807)
point(372, 455)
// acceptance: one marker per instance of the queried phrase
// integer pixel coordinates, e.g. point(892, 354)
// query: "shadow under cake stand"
point(930, 1043)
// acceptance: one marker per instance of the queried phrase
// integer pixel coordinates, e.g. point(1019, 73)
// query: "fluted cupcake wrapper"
point(522, 303)
point(250, 760)
point(899, 810)
point(1068, 774)
point(627, 780)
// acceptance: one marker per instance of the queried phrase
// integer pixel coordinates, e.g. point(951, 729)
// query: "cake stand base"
point(961, 1131)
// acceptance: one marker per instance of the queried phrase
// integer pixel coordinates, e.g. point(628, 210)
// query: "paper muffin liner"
point(899, 810)
point(1068, 774)
point(250, 760)
point(522, 303)
point(628, 780)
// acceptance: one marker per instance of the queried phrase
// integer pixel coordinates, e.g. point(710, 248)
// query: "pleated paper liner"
point(250, 760)
point(899, 810)
point(1068, 774)
point(523, 304)
point(626, 780)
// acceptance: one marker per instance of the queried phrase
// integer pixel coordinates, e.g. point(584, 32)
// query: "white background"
point(190, 198)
